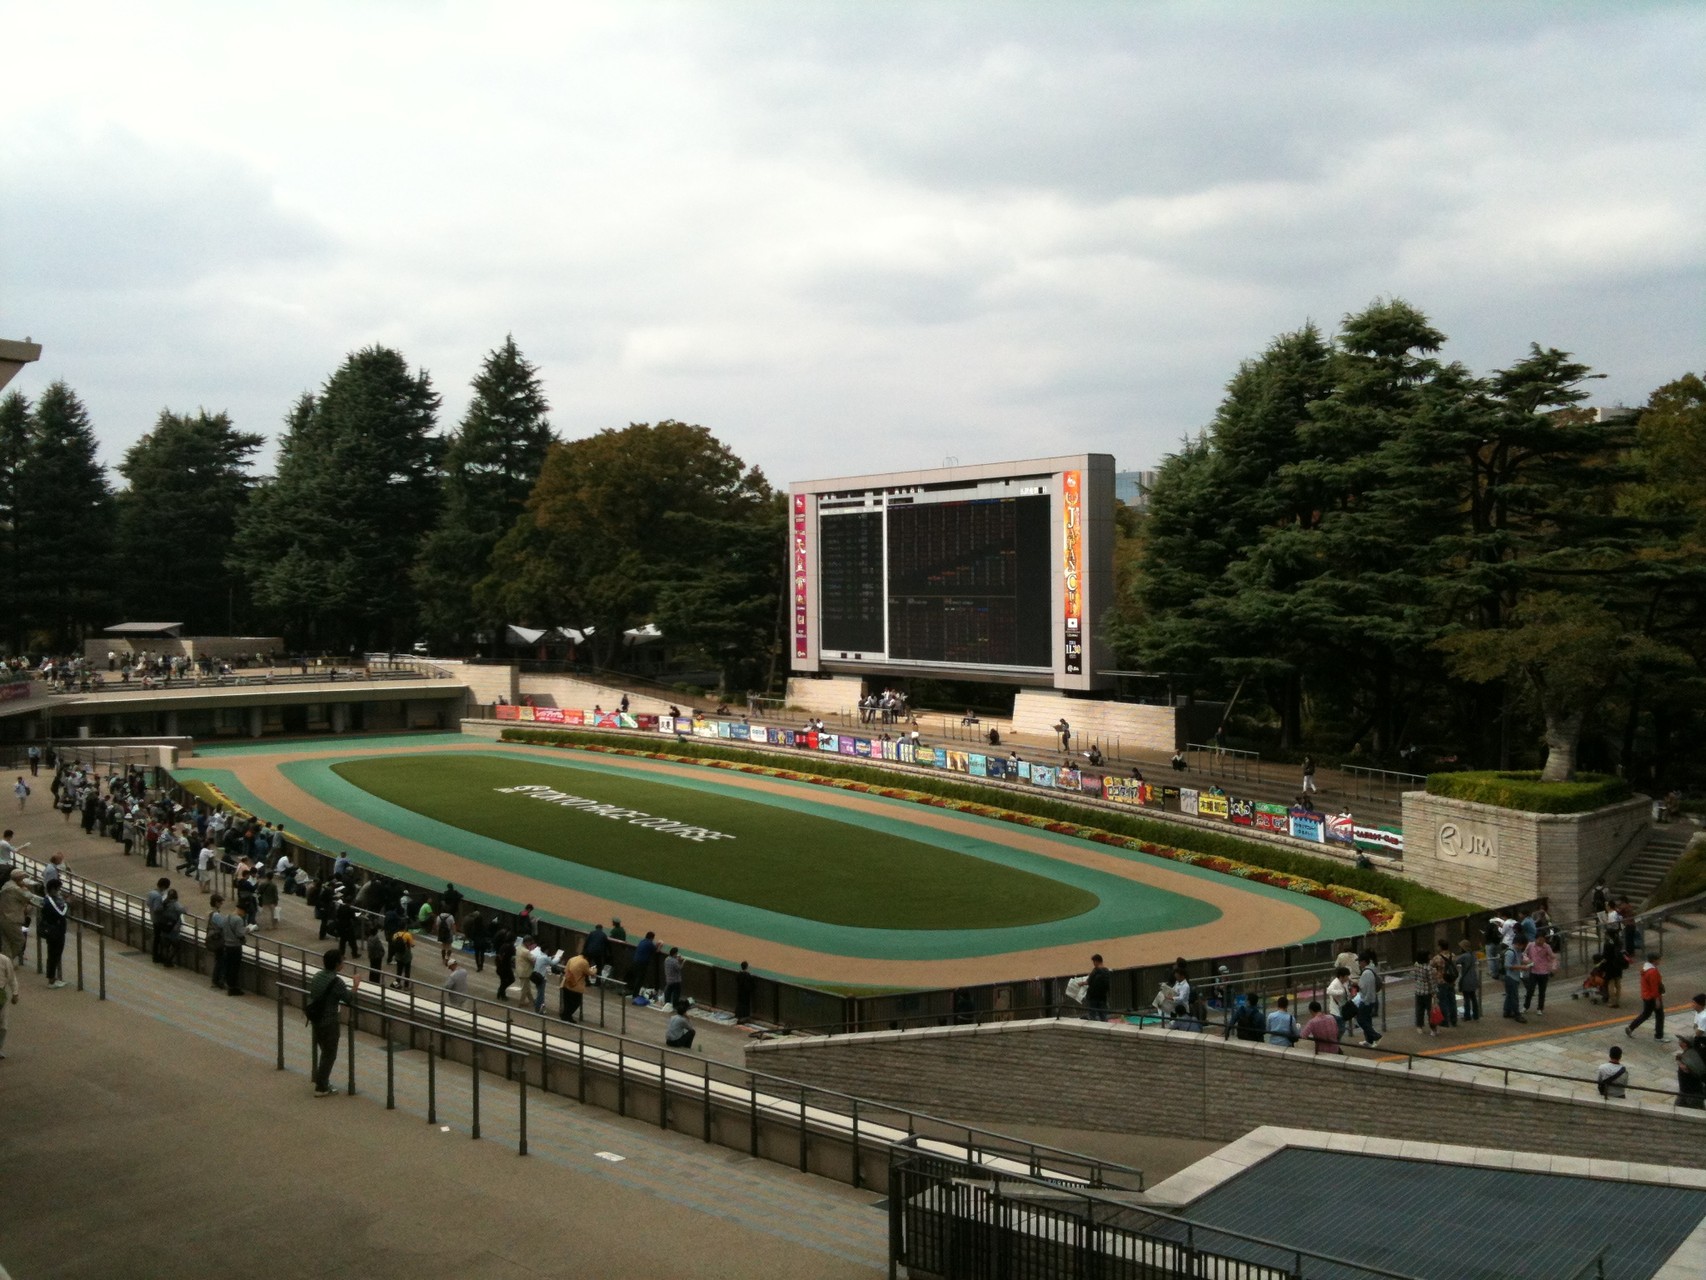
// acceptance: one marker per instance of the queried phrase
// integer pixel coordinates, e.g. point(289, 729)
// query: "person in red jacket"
point(1652, 998)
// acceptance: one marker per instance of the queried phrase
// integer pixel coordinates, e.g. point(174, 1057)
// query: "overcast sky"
point(846, 238)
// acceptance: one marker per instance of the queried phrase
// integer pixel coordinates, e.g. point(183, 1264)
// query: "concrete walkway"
point(152, 1136)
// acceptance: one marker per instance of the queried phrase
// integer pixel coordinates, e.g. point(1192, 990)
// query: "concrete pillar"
point(340, 717)
point(257, 722)
point(171, 724)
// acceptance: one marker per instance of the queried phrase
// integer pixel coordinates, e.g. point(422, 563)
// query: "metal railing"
point(1381, 784)
point(738, 1107)
point(387, 1021)
point(948, 1218)
point(1224, 762)
point(101, 953)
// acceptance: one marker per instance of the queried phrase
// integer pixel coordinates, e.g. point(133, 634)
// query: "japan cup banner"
point(1067, 779)
point(1042, 775)
point(1188, 800)
point(1380, 839)
point(850, 745)
point(1341, 829)
point(740, 732)
point(573, 716)
point(1243, 812)
point(977, 766)
point(1072, 569)
point(830, 742)
point(1272, 817)
point(524, 713)
point(798, 575)
point(1307, 826)
point(666, 724)
point(1209, 806)
point(862, 747)
point(548, 715)
point(506, 711)
point(995, 766)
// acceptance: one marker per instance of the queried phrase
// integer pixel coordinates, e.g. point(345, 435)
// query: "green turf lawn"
point(782, 860)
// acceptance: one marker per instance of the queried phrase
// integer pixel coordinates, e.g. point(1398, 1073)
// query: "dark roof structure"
point(143, 629)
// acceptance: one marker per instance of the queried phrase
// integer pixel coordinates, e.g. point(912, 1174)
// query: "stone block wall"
point(566, 691)
point(834, 696)
point(1136, 726)
point(1078, 1074)
point(1487, 854)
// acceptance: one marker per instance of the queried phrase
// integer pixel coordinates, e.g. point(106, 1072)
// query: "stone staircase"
point(1664, 846)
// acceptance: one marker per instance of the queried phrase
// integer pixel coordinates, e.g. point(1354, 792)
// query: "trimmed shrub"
point(1419, 904)
point(1686, 877)
point(1525, 791)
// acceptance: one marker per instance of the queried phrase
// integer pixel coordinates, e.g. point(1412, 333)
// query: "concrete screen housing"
point(998, 572)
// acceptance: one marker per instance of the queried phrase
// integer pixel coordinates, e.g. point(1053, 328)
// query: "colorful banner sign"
point(1305, 825)
point(1243, 812)
point(1379, 839)
point(1188, 800)
point(1072, 568)
point(1272, 817)
point(1213, 806)
point(798, 576)
point(506, 711)
point(1341, 829)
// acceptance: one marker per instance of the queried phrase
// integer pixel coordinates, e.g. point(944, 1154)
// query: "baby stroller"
point(1593, 986)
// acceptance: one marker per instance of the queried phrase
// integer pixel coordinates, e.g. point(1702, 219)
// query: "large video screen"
point(991, 571)
point(946, 582)
point(968, 582)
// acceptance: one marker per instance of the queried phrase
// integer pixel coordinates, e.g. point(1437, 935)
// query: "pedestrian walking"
point(1652, 998)
point(1308, 774)
point(22, 791)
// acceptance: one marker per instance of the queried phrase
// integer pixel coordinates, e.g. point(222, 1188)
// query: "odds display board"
point(995, 572)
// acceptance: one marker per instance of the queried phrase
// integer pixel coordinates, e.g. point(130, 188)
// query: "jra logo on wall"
point(616, 813)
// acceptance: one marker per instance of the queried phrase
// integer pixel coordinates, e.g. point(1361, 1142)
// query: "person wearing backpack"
point(325, 993)
point(1445, 982)
point(1367, 999)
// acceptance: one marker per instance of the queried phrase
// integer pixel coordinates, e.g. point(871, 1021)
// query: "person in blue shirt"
point(638, 971)
point(1282, 1027)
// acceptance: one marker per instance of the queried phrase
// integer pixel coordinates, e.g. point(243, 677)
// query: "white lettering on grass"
point(616, 813)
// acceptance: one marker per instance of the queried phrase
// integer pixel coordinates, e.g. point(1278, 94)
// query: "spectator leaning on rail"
point(325, 993)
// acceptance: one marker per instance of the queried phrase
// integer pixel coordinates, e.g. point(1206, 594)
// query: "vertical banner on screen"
point(1072, 567)
point(799, 575)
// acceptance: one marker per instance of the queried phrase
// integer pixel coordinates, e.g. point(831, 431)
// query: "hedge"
point(1419, 904)
point(1526, 792)
point(1686, 878)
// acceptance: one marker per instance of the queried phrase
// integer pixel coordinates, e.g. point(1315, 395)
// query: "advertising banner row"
point(1298, 823)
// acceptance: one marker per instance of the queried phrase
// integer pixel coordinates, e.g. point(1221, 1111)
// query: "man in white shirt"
point(1338, 996)
point(456, 984)
point(1700, 1013)
point(1612, 1075)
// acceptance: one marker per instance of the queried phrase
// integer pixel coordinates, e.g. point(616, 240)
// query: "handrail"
point(1226, 762)
point(776, 1088)
point(1377, 777)
point(511, 1055)
point(1641, 832)
point(1191, 1226)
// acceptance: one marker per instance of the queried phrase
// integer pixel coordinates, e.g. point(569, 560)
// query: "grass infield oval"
point(779, 859)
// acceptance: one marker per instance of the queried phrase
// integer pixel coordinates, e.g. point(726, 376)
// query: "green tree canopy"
point(187, 483)
point(327, 545)
point(618, 521)
point(489, 468)
point(64, 523)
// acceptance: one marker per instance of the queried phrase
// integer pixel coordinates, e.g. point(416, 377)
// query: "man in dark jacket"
point(325, 993)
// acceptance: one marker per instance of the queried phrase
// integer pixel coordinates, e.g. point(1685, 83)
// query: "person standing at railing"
point(672, 971)
point(1445, 982)
point(503, 960)
point(51, 913)
point(325, 993)
point(234, 932)
point(572, 990)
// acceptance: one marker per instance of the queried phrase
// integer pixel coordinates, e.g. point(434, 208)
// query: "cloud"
point(839, 231)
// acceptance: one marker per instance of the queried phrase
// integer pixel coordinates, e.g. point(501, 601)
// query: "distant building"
point(1132, 488)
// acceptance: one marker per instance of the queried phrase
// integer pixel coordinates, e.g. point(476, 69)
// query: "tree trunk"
point(1563, 733)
